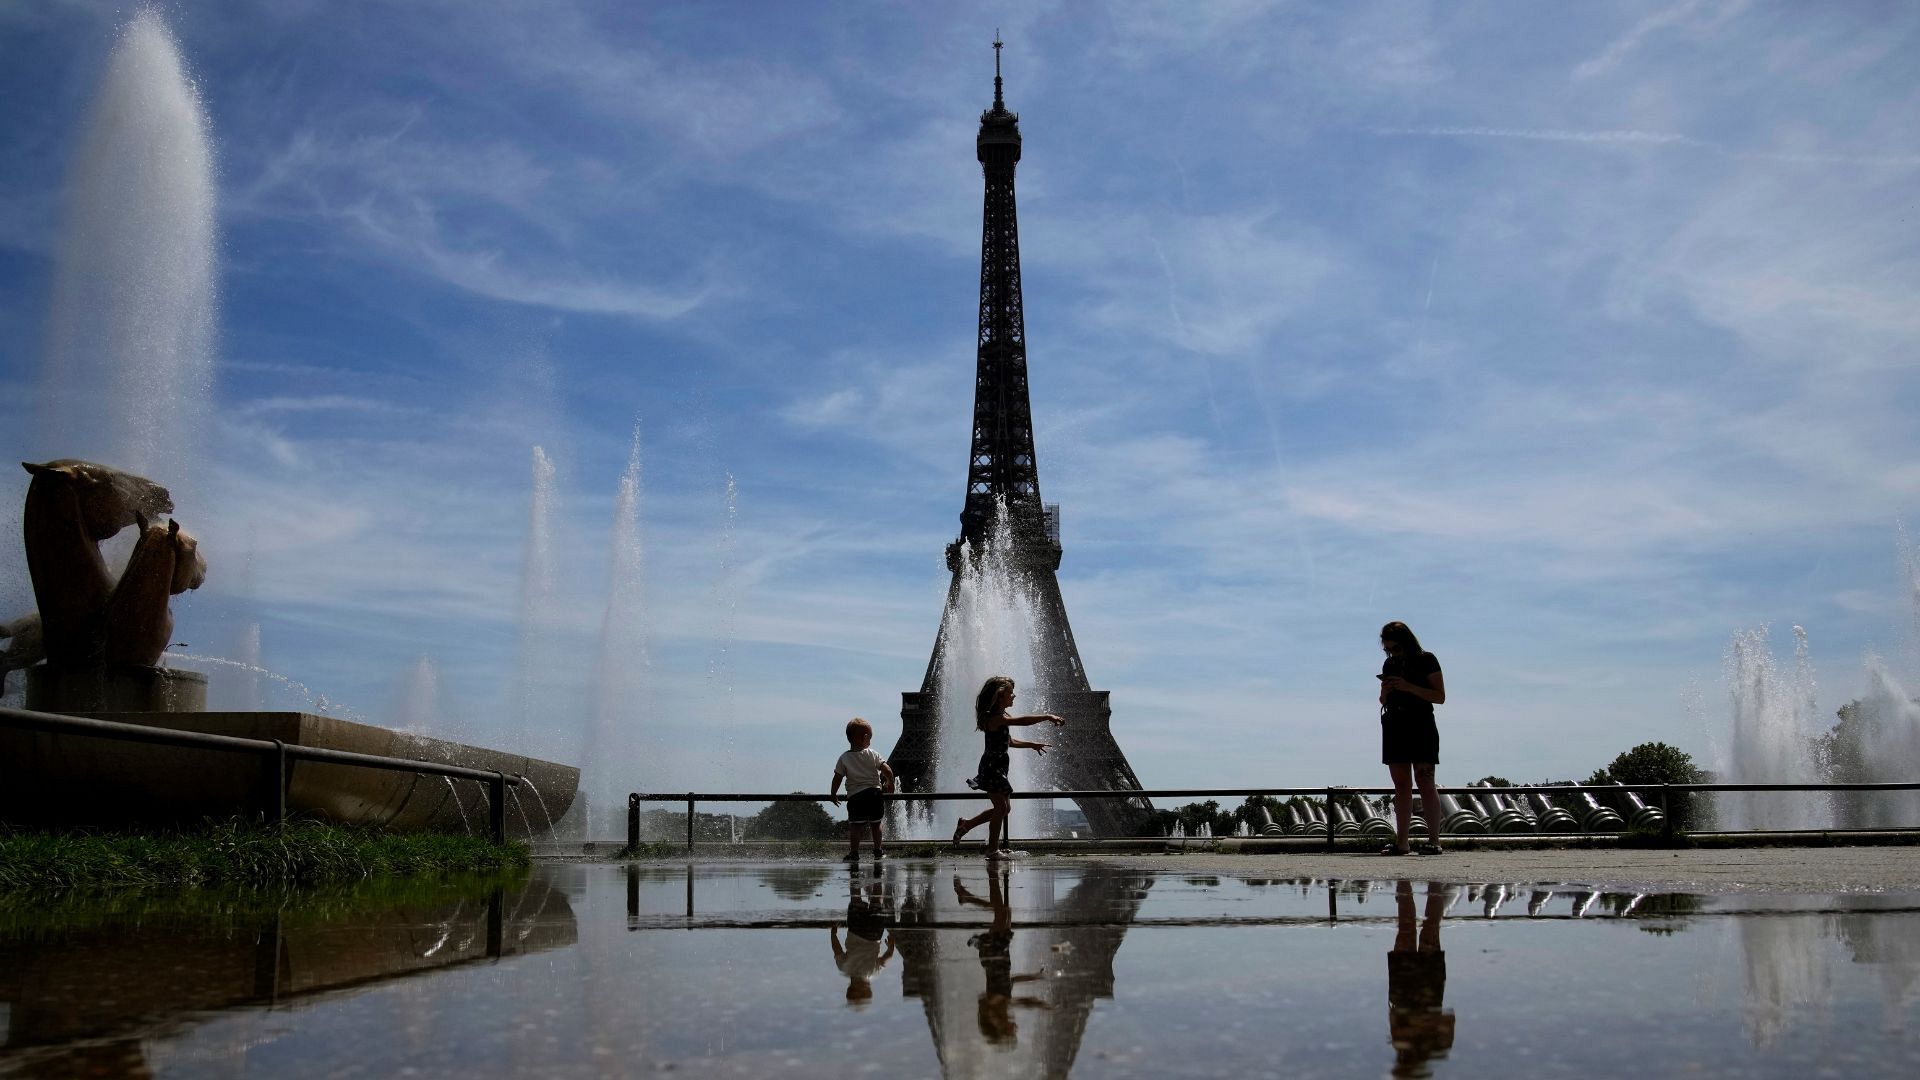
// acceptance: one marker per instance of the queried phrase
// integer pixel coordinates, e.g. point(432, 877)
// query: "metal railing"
point(276, 772)
point(1666, 796)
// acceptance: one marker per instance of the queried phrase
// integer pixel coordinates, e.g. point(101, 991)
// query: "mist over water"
point(128, 371)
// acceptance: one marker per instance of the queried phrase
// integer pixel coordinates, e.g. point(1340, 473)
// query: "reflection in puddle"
point(86, 999)
point(1035, 968)
point(1001, 1002)
point(1418, 1021)
point(1787, 973)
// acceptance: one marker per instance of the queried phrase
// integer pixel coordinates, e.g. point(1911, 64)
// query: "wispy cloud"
point(1643, 138)
point(1698, 17)
point(1893, 160)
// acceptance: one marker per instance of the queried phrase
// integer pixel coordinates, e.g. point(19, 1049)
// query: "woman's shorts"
point(1409, 740)
point(865, 807)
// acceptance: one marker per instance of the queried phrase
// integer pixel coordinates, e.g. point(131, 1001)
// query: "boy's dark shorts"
point(864, 807)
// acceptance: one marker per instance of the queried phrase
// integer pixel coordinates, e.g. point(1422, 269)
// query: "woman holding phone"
point(1410, 686)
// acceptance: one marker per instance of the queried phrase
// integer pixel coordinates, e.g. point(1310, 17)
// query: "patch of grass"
point(240, 854)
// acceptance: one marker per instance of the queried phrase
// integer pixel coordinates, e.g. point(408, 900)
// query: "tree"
point(1841, 753)
point(1191, 816)
point(792, 820)
point(1650, 763)
point(1494, 781)
point(1655, 763)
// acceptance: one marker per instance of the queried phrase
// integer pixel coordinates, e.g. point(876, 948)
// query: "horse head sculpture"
point(87, 619)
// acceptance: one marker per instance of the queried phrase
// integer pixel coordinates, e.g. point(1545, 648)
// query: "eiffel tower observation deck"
point(1004, 614)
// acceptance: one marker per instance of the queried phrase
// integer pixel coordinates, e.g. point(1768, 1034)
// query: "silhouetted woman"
point(990, 715)
point(1410, 686)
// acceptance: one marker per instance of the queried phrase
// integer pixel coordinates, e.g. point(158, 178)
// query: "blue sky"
point(1580, 337)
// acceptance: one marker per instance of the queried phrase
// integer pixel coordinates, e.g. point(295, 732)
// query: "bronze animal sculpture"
point(87, 620)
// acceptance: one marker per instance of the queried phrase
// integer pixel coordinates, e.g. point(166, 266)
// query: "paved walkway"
point(1765, 869)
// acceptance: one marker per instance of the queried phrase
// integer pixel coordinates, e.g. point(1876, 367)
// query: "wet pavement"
point(1887, 868)
point(1034, 967)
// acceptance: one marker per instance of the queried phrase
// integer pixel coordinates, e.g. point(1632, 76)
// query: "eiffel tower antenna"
point(998, 102)
point(1003, 477)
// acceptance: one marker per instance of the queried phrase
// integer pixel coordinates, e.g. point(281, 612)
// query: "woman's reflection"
point(1421, 1029)
point(995, 946)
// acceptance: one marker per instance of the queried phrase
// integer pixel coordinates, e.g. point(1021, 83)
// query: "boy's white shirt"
point(861, 768)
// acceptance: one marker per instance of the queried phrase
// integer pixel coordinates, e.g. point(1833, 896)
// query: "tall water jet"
point(1772, 739)
point(989, 631)
point(620, 666)
point(247, 694)
point(128, 370)
point(534, 660)
point(720, 662)
point(416, 703)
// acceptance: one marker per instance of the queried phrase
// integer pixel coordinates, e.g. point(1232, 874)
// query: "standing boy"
point(867, 775)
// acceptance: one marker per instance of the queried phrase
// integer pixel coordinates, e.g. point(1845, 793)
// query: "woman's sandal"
point(959, 830)
point(1394, 849)
point(1430, 849)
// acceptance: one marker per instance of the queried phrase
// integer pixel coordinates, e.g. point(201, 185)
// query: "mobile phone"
point(1382, 678)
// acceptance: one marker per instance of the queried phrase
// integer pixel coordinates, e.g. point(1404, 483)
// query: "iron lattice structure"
point(1003, 475)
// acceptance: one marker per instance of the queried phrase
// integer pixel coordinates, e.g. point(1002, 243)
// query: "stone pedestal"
point(55, 779)
point(115, 689)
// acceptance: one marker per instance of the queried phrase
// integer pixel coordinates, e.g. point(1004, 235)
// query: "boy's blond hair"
point(854, 727)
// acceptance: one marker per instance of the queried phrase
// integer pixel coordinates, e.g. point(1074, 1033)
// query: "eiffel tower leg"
point(1084, 756)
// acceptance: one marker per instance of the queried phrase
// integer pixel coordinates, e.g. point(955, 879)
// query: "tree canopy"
point(1650, 763)
point(794, 820)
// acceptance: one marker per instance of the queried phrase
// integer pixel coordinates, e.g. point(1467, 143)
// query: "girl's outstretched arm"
point(1036, 718)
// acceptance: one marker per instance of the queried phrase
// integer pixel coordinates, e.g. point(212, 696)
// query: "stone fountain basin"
point(60, 779)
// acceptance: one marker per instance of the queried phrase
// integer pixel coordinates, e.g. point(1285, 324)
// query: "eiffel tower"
point(1004, 477)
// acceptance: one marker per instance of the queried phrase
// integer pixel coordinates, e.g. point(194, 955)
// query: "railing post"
point(1330, 819)
point(633, 822)
point(497, 806)
point(274, 779)
point(689, 822)
point(1666, 815)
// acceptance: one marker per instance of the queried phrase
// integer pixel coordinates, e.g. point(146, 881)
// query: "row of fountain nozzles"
point(1486, 810)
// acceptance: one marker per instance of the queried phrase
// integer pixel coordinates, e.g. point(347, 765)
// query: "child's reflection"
point(1421, 1029)
point(868, 920)
point(995, 946)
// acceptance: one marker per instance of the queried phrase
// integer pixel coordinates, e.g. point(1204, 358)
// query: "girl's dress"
point(1408, 735)
point(994, 764)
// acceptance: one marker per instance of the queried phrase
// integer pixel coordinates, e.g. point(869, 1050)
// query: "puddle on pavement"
point(1034, 968)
